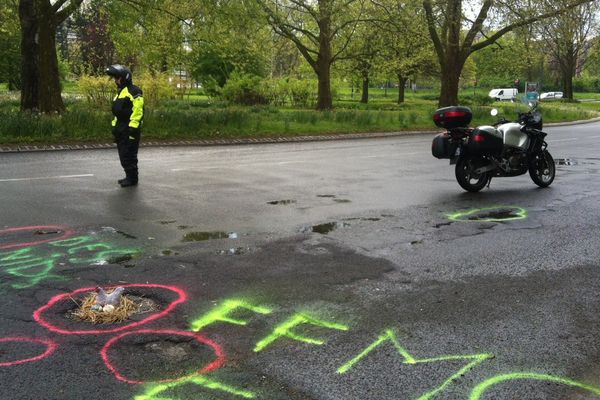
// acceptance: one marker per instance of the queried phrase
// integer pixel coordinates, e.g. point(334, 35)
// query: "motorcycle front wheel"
point(467, 178)
point(542, 169)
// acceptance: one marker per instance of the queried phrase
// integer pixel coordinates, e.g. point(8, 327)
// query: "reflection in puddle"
point(571, 161)
point(281, 202)
point(324, 229)
point(200, 236)
point(234, 251)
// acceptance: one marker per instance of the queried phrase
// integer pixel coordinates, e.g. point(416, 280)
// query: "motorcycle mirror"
point(494, 112)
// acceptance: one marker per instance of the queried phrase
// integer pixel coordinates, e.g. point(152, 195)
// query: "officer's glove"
point(133, 133)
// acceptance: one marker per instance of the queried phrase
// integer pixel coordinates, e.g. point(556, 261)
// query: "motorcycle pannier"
point(452, 117)
point(441, 147)
point(483, 142)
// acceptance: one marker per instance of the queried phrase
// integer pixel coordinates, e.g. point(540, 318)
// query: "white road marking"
point(564, 140)
point(46, 177)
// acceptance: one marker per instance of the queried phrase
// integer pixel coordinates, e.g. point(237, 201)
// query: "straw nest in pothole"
point(128, 306)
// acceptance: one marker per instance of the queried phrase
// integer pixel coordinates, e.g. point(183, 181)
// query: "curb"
point(216, 142)
point(226, 142)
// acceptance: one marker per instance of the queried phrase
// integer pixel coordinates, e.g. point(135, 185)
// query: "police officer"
point(128, 109)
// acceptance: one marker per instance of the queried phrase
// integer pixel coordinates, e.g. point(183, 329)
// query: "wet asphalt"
point(331, 270)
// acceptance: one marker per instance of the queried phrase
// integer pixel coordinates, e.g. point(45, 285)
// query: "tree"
point(220, 43)
point(320, 29)
point(453, 45)
point(569, 41)
point(364, 52)
point(96, 46)
point(39, 19)
point(407, 48)
point(514, 56)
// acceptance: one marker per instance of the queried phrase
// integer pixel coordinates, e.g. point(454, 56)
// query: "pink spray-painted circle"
point(50, 348)
point(38, 315)
point(66, 233)
point(213, 365)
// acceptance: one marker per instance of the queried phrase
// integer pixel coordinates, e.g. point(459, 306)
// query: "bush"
point(156, 88)
point(586, 84)
point(245, 89)
point(98, 91)
point(477, 99)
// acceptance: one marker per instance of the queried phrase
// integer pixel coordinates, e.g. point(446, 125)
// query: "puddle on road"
point(113, 230)
point(575, 161)
point(281, 202)
point(372, 219)
point(331, 196)
point(201, 236)
point(325, 228)
point(234, 251)
point(342, 201)
point(490, 214)
point(47, 232)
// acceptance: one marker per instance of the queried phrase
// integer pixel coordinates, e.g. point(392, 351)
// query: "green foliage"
point(478, 99)
point(587, 84)
point(156, 88)
point(244, 89)
point(176, 119)
point(98, 91)
point(10, 62)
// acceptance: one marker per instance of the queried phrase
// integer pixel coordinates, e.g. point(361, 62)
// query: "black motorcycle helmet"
point(119, 71)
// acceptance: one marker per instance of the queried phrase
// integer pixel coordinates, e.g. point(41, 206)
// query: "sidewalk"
point(217, 142)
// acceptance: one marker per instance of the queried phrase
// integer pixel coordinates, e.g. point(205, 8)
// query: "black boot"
point(128, 182)
point(121, 180)
point(131, 178)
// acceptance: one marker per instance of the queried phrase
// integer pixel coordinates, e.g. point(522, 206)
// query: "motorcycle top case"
point(452, 117)
point(485, 140)
point(442, 147)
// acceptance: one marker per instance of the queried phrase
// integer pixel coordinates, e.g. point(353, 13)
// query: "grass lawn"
point(197, 117)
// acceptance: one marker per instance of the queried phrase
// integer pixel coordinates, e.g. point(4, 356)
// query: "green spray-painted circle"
point(489, 214)
point(480, 389)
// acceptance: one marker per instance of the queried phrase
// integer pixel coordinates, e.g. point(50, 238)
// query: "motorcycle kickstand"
point(489, 181)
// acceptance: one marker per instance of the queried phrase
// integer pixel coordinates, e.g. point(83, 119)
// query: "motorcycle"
point(503, 149)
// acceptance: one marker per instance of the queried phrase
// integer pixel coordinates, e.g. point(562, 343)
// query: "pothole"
point(201, 236)
point(327, 227)
point(490, 214)
point(281, 202)
point(573, 161)
point(234, 251)
point(87, 310)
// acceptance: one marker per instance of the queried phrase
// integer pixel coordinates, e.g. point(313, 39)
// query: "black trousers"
point(128, 143)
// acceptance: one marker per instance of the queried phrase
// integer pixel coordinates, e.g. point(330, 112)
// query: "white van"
point(504, 94)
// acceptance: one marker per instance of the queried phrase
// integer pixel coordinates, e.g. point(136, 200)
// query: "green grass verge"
point(201, 119)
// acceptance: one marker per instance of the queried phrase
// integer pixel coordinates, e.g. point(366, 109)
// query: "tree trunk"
point(323, 63)
point(365, 90)
point(401, 88)
point(450, 82)
point(39, 64)
point(29, 55)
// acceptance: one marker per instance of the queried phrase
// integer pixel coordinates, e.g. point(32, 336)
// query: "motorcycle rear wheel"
point(466, 177)
point(542, 169)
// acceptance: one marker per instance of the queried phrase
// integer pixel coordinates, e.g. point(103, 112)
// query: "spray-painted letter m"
point(390, 335)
